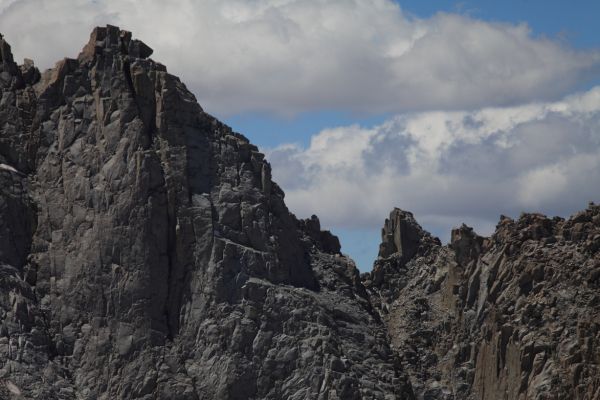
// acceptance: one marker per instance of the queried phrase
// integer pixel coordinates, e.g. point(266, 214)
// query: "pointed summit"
point(402, 236)
point(12, 75)
point(112, 40)
point(9, 71)
point(5, 51)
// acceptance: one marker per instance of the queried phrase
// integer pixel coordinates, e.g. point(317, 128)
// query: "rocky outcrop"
point(513, 316)
point(145, 252)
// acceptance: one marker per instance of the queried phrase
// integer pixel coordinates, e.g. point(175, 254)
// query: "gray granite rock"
point(513, 316)
point(145, 252)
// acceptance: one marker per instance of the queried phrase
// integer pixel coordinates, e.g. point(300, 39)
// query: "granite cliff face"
point(145, 253)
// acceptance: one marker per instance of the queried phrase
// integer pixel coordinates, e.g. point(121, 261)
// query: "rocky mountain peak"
point(146, 253)
point(10, 76)
point(13, 75)
point(466, 244)
point(6, 56)
point(112, 40)
point(402, 236)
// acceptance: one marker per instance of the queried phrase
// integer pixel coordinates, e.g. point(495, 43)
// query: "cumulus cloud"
point(450, 167)
point(291, 56)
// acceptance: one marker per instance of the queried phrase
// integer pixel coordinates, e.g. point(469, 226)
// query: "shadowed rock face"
point(513, 316)
point(145, 252)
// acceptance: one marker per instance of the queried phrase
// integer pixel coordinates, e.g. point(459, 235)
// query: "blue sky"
point(456, 111)
point(573, 20)
point(575, 23)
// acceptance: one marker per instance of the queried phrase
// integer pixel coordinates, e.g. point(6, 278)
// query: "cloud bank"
point(292, 56)
point(449, 167)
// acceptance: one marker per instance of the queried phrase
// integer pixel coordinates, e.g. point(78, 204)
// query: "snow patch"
point(8, 168)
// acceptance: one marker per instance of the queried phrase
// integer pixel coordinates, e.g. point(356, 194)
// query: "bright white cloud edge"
point(292, 56)
point(449, 167)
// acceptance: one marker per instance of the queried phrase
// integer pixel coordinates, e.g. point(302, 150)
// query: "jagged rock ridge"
point(145, 252)
point(513, 316)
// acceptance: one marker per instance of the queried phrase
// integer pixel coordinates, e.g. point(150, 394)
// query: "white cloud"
point(450, 167)
point(523, 147)
point(290, 56)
